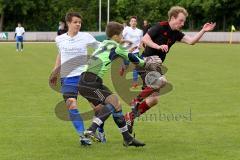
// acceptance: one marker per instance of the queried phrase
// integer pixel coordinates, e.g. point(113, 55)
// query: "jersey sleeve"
point(122, 52)
point(179, 36)
point(92, 42)
point(124, 32)
point(153, 32)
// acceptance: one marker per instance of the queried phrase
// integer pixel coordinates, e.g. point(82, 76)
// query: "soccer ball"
point(155, 80)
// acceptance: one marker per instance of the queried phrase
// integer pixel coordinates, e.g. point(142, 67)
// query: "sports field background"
point(204, 102)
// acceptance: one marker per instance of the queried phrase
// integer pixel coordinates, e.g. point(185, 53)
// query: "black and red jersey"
point(161, 34)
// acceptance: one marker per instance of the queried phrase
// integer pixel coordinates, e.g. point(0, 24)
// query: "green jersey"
point(99, 63)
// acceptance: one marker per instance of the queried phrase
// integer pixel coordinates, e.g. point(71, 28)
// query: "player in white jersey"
point(70, 63)
point(133, 34)
point(19, 32)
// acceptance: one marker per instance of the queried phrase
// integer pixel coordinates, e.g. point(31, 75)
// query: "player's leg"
point(101, 134)
point(112, 106)
point(70, 93)
point(97, 123)
point(74, 116)
point(135, 74)
point(17, 43)
point(147, 89)
point(151, 94)
point(92, 88)
point(21, 41)
point(139, 105)
point(120, 121)
point(123, 67)
point(100, 129)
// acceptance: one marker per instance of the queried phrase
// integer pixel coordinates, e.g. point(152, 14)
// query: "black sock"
point(100, 117)
point(121, 123)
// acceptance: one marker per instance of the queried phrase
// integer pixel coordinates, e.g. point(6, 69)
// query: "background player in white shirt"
point(70, 63)
point(133, 34)
point(19, 32)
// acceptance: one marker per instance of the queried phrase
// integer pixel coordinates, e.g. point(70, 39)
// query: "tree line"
point(44, 15)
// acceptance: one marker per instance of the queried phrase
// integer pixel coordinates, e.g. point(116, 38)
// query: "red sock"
point(143, 107)
point(145, 93)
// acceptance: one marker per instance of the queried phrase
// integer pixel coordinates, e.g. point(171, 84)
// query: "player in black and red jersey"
point(158, 41)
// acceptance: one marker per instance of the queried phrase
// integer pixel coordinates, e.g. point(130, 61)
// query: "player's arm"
point(124, 53)
point(148, 63)
point(56, 70)
point(148, 41)
point(94, 44)
point(192, 40)
point(141, 42)
point(57, 65)
point(15, 33)
point(124, 33)
point(23, 31)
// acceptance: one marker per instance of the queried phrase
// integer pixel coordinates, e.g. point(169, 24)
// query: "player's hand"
point(126, 44)
point(53, 80)
point(209, 26)
point(164, 48)
point(132, 49)
point(54, 77)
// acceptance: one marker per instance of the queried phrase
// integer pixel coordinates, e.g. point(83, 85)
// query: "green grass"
point(205, 80)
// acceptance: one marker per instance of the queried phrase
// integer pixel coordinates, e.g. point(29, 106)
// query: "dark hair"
point(113, 28)
point(69, 15)
point(133, 17)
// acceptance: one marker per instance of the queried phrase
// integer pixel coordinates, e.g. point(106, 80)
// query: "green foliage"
point(44, 15)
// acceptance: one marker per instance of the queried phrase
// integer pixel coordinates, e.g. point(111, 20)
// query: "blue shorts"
point(70, 85)
point(19, 39)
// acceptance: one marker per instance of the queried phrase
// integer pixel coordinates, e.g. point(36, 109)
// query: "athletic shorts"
point(69, 86)
point(19, 39)
point(92, 88)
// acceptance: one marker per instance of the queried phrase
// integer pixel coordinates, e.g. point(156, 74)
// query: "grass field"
point(199, 119)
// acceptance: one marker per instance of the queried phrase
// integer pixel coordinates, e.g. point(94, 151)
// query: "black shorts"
point(91, 87)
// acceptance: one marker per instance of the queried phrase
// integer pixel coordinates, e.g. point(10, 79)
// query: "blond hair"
point(175, 10)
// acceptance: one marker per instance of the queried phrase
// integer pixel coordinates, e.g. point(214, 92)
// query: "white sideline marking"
point(28, 42)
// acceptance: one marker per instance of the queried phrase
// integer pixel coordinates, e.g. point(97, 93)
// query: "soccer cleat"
point(130, 116)
point(85, 141)
point(101, 136)
point(135, 85)
point(133, 142)
point(92, 135)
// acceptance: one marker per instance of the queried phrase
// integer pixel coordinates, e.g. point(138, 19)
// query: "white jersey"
point(19, 31)
point(73, 51)
point(133, 35)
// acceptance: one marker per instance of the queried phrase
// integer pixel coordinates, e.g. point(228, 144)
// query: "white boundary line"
point(27, 42)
